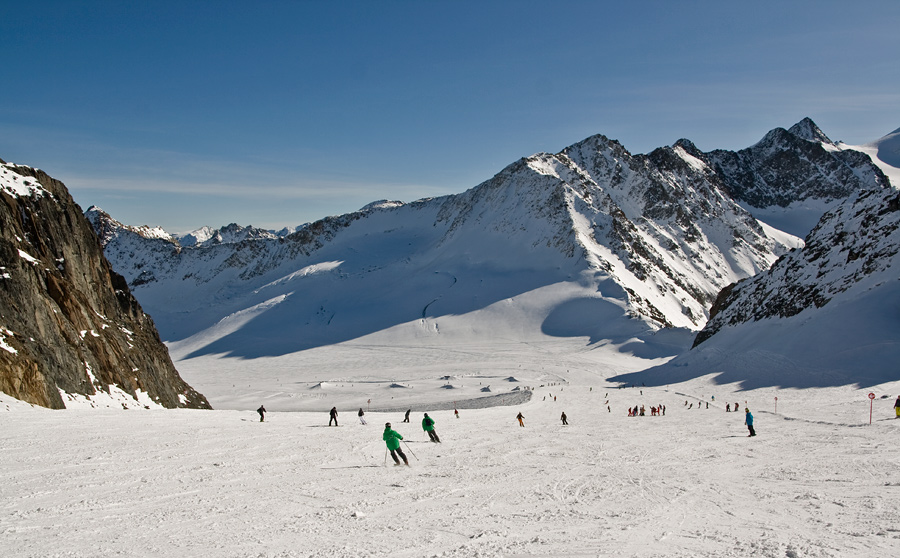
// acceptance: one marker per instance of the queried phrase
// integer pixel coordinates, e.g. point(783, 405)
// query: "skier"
point(897, 406)
point(333, 415)
point(563, 419)
point(521, 419)
point(455, 412)
point(749, 422)
point(428, 426)
point(406, 418)
point(727, 407)
point(262, 412)
point(362, 419)
point(392, 439)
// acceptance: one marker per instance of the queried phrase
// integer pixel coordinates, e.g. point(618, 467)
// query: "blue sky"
point(183, 114)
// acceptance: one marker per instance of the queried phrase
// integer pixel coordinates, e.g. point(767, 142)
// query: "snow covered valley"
point(817, 480)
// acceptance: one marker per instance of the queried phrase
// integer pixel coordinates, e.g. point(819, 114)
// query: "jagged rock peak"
point(106, 226)
point(807, 129)
point(229, 234)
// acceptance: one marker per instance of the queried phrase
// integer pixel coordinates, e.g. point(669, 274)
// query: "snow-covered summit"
point(106, 227)
point(228, 234)
point(791, 177)
point(808, 130)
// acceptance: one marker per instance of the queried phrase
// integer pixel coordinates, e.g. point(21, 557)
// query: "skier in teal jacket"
point(749, 422)
point(428, 426)
point(392, 439)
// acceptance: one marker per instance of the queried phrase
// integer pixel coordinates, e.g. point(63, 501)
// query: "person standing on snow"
point(562, 417)
point(262, 412)
point(333, 415)
point(749, 422)
point(897, 406)
point(428, 426)
point(362, 419)
point(521, 419)
point(392, 439)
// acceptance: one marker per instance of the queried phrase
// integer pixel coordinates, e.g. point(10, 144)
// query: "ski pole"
point(385, 457)
point(410, 450)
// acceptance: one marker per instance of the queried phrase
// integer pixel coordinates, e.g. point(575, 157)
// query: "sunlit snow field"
point(818, 480)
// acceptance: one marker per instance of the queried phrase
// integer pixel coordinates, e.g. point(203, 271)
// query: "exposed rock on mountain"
point(853, 249)
point(69, 327)
point(795, 165)
point(823, 315)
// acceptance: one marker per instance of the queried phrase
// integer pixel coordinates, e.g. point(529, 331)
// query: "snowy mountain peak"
point(229, 234)
point(106, 227)
point(789, 180)
point(382, 204)
point(807, 129)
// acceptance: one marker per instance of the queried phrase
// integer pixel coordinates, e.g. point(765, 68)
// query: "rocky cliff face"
point(69, 326)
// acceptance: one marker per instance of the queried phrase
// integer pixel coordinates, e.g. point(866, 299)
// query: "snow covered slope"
point(827, 314)
point(885, 152)
point(816, 482)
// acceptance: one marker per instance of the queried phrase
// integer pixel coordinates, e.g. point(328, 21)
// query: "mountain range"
point(592, 241)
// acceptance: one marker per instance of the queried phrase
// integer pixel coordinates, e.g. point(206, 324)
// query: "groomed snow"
point(818, 480)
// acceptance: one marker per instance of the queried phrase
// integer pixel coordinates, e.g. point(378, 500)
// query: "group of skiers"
point(654, 411)
point(392, 438)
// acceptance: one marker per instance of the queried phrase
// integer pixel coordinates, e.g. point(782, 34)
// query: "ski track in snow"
point(221, 484)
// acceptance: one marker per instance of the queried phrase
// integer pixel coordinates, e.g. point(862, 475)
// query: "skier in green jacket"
point(428, 426)
point(392, 439)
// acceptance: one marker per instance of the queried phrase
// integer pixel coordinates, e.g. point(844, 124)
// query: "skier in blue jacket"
point(749, 422)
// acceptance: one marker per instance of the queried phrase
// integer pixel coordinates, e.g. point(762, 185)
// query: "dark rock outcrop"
point(68, 323)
